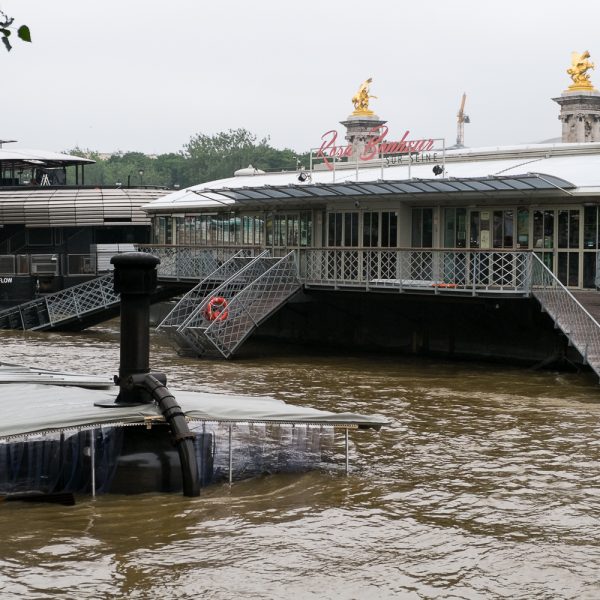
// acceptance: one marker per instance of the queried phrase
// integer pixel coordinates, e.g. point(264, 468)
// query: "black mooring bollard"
point(135, 280)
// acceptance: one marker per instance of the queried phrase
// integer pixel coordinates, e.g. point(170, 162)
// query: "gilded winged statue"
point(580, 65)
point(361, 99)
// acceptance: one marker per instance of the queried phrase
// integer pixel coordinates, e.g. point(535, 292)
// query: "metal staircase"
point(186, 306)
point(76, 304)
point(568, 314)
point(257, 288)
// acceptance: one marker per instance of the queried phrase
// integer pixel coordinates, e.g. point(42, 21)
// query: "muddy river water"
point(486, 484)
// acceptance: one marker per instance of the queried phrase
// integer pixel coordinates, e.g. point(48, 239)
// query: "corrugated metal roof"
point(46, 207)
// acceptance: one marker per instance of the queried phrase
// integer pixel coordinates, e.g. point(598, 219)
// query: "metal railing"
point(72, 303)
point(190, 301)
point(568, 314)
point(193, 262)
point(474, 271)
point(251, 295)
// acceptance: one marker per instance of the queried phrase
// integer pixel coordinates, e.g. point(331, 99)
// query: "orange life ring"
point(216, 309)
point(444, 285)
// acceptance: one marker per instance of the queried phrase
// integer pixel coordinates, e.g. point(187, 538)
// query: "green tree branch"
point(6, 30)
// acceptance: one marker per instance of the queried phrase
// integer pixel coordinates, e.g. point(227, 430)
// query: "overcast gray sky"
point(146, 75)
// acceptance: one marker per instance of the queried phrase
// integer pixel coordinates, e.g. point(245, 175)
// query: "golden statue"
point(580, 65)
point(361, 100)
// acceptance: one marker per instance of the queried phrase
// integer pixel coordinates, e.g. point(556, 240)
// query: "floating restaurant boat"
point(63, 434)
point(386, 243)
point(403, 246)
point(57, 231)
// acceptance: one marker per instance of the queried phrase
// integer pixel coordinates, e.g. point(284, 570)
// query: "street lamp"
point(141, 172)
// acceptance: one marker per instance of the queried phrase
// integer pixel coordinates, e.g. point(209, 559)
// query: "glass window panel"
point(548, 229)
point(346, 190)
point(179, 230)
point(371, 229)
point(168, 230)
point(449, 227)
point(589, 269)
point(573, 269)
point(335, 229)
point(417, 238)
point(563, 229)
point(350, 229)
point(522, 228)
point(254, 194)
point(538, 229)
point(269, 228)
point(474, 228)
point(292, 191)
point(424, 187)
point(461, 227)
point(499, 185)
point(562, 267)
point(292, 230)
point(272, 193)
point(520, 184)
point(306, 229)
point(590, 223)
point(319, 191)
point(376, 189)
point(479, 186)
point(497, 228)
point(574, 228)
point(508, 229)
point(427, 227)
point(393, 230)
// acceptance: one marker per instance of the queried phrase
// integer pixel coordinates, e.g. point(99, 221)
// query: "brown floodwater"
point(486, 484)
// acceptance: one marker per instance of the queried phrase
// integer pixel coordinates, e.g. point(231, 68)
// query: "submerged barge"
point(63, 434)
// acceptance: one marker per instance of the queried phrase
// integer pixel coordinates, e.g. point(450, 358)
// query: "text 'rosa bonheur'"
point(375, 147)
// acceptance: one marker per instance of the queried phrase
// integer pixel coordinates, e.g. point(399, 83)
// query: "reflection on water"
point(486, 485)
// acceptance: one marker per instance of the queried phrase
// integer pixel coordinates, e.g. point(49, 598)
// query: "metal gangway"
point(256, 288)
point(568, 314)
point(75, 306)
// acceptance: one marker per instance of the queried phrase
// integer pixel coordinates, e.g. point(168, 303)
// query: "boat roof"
point(568, 169)
point(10, 373)
point(38, 408)
point(27, 158)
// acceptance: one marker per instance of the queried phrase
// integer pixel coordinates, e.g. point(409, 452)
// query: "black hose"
point(182, 436)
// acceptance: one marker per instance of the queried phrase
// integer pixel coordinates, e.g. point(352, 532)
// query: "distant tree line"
point(203, 158)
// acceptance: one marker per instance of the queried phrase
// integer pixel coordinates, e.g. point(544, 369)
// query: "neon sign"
point(376, 146)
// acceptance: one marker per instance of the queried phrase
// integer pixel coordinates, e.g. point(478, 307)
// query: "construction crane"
point(461, 120)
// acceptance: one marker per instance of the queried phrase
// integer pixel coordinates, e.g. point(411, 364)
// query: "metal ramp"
point(220, 273)
point(260, 287)
point(71, 305)
point(568, 314)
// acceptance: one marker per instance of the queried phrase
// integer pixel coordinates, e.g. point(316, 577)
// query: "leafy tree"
point(6, 30)
point(203, 158)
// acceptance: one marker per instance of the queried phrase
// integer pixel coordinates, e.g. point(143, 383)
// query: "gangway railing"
point(229, 270)
point(568, 314)
point(434, 270)
point(193, 262)
point(62, 307)
point(251, 296)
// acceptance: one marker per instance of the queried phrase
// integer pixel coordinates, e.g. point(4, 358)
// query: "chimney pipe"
point(135, 280)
